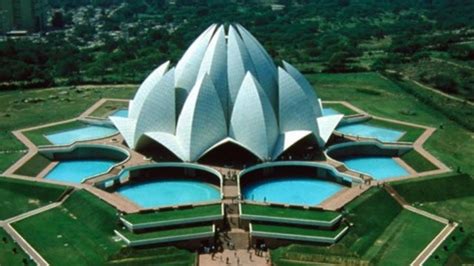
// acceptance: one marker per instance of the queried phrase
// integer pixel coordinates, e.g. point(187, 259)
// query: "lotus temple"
point(224, 148)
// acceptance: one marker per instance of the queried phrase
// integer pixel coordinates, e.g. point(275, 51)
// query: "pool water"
point(376, 166)
point(330, 111)
point(291, 190)
point(84, 133)
point(167, 192)
point(120, 113)
point(365, 130)
point(75, 171)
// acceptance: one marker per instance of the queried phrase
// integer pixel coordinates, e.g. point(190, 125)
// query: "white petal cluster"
point(225, 88)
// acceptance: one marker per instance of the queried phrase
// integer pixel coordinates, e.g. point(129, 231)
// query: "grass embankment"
point(109, 107)
point(175, 232)
point(38, 136)
point(416, 161)
point(28, 108)
point(19, 196)
point(33, 166)
point(11, 253)
point(451, 143)
point(450, 196)
point(175, 214)
point(382, 232)
point(8, 159)
point(81, 232)
point(292, 213)
point(411, 133)
point(296, 231)
point(340, 108)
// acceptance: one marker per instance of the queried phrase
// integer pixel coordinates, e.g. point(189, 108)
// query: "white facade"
point(225, 88)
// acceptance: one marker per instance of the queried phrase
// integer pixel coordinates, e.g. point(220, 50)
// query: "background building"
point(28, 15)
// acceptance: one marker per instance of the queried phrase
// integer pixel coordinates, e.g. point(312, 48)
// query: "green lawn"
point(33, 166)
point(282, 212)
point(18, 196)
point(38, 136)
point(297, 231)
point(78, 232)
point(402, 241)
point(450, 144)
point(450, 196)
point(11, 253)
point(370, 214)
point(167, 233)
point(416, 161)
point(435, 188)
point(50, 105)
point(108, 107)
point(175, 214)
point(340, 108)
point(7, 159)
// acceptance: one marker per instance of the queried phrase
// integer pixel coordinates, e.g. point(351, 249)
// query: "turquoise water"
point(167, 192)
point(75, 171)
point(84, 133)
point(330, 111)
point(291, 190)
point(376, 166)
point(121, 113)
point(364, 130)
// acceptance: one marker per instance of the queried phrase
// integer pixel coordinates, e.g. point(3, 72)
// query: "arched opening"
point(306, 149)
point(229, 154)
point(154, 150)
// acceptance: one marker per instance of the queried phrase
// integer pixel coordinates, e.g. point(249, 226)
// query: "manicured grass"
point(411, 133)
point(370, 215)
point(437, 188)
point(175, 214)
point(11, 253)
point(33, 166)
point(402, 241)
point(78, 232)
point(167, 233)
point(7, 159)
point(282, 212)
point(296, 231)
point(51, 105)
point(416, 161)
point(340, 108)
point(154, 256)
point(109, 107)
point(38, 136)
point(19, 196)
point(451, 143)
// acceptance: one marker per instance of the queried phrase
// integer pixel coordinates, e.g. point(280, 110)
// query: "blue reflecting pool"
point(121, 113)
point(75, 171)
point(364, 130)
point(84, 133)
point(291, 190)
point(330, 111)
point(376, 166)
point(167, 192)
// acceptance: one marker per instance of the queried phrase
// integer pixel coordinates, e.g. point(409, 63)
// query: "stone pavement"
point(239, 257)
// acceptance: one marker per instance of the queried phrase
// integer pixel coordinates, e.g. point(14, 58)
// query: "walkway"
point(239, 257)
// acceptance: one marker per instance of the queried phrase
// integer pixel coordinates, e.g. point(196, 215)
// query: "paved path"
point(239, 257)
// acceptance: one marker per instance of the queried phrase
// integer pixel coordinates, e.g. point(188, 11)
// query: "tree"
point(58, 20)
point(445, 83)
point(337, 62)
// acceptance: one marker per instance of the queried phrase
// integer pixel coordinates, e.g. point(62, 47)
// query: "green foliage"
point(10, 252)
